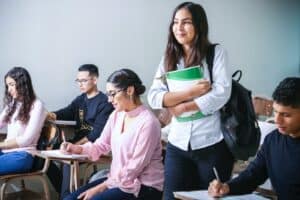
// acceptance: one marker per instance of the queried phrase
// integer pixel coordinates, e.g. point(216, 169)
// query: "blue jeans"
point(15, 162)
point(193, 169)
point(146, 193)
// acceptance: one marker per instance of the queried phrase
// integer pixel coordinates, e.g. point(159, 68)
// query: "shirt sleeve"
point(158, 88)
point(221, 87)
point(102, 144)
point(103, 113)
point(34, 126)
point(255, 175)
point(148, 139)
point(68, 112)
point(2, 116)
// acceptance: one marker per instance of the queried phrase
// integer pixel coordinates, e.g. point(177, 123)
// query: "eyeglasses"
point(112, 94)
point(82, 81)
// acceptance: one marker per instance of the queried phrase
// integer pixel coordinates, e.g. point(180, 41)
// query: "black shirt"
point(90, 115)
point(278, 159)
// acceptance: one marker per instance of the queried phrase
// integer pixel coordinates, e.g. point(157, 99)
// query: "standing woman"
point(24, 116)
point(132, 134)
point(195, 146)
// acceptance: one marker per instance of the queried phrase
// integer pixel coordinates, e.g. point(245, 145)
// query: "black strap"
point(210, 55)
point(237, 73)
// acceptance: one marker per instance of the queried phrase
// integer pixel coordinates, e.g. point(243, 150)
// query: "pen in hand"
point(216, 173)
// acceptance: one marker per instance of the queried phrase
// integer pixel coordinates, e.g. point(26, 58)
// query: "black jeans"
point(193, 169)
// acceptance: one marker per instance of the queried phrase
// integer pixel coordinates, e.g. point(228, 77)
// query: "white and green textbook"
point(182, 79)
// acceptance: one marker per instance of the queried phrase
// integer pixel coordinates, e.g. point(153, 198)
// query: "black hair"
point(91, 68)
point(287, 92)
point(174, 51)
point(25, 92)
point(124, 78)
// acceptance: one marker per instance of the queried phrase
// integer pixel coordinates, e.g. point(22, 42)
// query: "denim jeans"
point(193, 169)
point(146, 193)
point(15, 162)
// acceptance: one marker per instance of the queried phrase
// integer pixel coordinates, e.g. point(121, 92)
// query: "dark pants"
point(193, 169)
point(146, 193)
point(65, 186)
point(55, 176)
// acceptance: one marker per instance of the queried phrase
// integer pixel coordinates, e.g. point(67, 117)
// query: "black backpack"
point(238, 121)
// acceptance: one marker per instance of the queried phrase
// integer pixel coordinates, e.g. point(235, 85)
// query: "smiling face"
point(183, 28)
point(11, 87)
point(117, 97)
point(287, 120)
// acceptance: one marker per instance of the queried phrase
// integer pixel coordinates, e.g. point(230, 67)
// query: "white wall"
point(51, 38)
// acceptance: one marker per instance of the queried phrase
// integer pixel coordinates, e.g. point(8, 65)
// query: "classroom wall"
point(51, 38)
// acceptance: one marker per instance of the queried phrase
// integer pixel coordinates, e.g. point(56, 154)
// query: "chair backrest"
point(50, 137)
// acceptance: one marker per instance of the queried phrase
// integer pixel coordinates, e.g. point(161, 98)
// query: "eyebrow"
point(184, 19)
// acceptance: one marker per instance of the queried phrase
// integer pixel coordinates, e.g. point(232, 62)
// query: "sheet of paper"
point(203, 195)
point(59, 154)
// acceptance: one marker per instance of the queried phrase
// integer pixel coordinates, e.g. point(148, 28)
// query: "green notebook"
point(182, 79)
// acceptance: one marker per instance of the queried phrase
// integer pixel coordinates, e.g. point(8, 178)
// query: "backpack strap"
point(238, 74)
point(210, 55)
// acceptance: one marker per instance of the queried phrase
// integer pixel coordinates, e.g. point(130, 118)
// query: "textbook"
point(182, 79)
point(203, 195)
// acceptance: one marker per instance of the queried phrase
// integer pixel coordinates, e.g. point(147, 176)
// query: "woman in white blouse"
point(196, 143)
point(24, 116)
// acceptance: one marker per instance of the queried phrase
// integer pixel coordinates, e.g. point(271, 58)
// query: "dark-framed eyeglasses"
point(113, 93)
point(82, 81)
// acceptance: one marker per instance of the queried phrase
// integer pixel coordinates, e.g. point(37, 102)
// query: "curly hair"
point(26, 95)
point(287, 92)
point(174, 50)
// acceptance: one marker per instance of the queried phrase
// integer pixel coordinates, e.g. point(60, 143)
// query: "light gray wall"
point(51, 38)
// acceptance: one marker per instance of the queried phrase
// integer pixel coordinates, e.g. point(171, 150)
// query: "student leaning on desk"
point(279, 156)
point(24, 114)
point(132, 134)
point(90, 110)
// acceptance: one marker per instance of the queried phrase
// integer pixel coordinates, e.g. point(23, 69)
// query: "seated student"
point(132, 134)
point(279, 156)
point(90, 110)
point(24, 114)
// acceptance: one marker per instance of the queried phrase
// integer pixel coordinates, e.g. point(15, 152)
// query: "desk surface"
point(65, 122)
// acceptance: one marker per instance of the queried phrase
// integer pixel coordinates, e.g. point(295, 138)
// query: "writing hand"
point(218, 189)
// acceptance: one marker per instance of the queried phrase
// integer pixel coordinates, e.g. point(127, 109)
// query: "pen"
point(63, 136)
point(216, 173)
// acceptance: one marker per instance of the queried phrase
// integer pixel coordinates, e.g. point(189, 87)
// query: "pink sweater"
point(137, 153)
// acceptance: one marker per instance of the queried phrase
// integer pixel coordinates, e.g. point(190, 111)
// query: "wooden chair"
point(49, 132)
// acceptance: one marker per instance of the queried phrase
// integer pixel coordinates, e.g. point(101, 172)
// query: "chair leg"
point(23, 184)
point(45, 186)
point(3, 187)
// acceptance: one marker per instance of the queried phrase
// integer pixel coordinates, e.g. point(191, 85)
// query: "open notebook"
point(203, 195)
point(59, 154)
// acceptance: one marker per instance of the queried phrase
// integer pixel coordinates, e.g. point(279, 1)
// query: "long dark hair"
point(174, 50)
point(124, 78)
point(26, 95)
